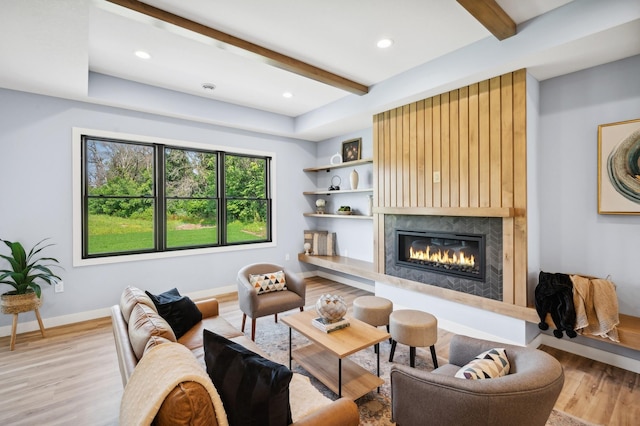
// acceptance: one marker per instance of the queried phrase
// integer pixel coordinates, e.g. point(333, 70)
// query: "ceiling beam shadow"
point(491, 16)
point(269, 56)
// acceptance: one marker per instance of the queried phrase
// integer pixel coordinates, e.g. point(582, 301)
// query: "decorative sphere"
point(330, 307)
point(320, 202)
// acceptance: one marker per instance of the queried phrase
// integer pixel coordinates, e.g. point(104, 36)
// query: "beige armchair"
point(256, 306)
point(525, 396)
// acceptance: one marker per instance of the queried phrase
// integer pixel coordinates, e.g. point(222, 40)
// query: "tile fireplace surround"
point(491, 288)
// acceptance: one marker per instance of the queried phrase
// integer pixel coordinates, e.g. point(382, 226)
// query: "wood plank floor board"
point(628, 399)
point(72, 376)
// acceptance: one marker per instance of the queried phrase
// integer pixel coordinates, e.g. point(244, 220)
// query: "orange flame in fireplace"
point(442, 257)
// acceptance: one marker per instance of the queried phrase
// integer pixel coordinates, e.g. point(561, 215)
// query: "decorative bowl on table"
point(330, 307)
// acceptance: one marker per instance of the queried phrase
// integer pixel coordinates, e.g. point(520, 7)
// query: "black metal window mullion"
point(267, 194)
point(160, 220)
point(85, 198)
point(222, 200)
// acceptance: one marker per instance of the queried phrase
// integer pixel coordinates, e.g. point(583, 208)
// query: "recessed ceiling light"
point(142, 54)
point(208, 86)
point(287, 94)
point(384, 43)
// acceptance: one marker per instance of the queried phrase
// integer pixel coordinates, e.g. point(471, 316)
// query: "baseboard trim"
point(27, 326)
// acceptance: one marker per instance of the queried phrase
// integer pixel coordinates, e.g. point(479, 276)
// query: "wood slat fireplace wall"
point(460, 153)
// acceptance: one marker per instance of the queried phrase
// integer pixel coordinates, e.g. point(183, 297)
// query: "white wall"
point(574, 238)
point(36, 201)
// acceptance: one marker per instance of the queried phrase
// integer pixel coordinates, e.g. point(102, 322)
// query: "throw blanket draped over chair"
point(596, 305)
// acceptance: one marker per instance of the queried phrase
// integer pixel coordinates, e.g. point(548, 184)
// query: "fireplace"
point(447, 253)
point(486, 232)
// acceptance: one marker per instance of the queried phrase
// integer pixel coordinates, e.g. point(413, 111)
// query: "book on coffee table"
point(326, 326)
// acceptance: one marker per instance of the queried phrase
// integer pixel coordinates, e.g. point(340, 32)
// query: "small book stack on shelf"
point(326, 326)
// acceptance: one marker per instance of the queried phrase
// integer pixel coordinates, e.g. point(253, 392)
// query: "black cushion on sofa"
point(253, 389)
point(179, 311)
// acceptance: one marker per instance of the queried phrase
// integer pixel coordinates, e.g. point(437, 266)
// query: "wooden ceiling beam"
point(491, 16)
point(269, 56)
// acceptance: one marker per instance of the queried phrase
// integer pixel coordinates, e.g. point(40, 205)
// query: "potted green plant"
point(26, 273)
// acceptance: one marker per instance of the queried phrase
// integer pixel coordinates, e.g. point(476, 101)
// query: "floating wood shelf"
point(339, 165)
point(342, 191)
point(339, 216)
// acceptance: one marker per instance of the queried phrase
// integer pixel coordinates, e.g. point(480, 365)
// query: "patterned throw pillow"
point(488, 365)
point(265, 283)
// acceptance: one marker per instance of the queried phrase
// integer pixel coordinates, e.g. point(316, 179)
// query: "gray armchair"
point(525, 396)
point(256, 306)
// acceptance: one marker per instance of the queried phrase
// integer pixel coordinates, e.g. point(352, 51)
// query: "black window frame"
point(160, 199)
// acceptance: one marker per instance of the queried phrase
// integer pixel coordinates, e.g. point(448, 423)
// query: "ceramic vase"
point(370, 205)
point(353, 177)
point(330, 307)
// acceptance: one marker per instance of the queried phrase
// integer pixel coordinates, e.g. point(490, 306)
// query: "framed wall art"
point(351, 149)
point(619, 168)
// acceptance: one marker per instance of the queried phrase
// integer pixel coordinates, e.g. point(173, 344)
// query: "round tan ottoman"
point(373, 310)
point(414, 329)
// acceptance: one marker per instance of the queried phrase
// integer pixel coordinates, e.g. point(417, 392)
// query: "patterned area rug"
point(375, 408)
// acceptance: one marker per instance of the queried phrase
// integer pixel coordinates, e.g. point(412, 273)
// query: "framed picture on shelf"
point(351, 149)
point(619, 168)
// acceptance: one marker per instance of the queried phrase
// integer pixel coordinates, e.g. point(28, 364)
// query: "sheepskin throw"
point(146, 390)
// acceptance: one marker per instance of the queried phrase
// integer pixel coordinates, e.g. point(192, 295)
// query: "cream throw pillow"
point(265, 283)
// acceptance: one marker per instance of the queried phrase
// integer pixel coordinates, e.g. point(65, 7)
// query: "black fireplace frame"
point(479, 238)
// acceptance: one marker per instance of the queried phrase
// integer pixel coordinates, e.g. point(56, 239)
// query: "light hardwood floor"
point(71, 377)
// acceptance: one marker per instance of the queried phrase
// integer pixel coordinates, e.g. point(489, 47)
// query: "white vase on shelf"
point(353, 177)
point(336, 158)
point(369, 205)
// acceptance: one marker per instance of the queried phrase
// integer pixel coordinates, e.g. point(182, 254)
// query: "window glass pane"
point(190, 173)
point(119, 184)
point(192, 222)
point(114, 233)
point(246, 220)
point(245, 177)
point(117, 169)
point(191, 204)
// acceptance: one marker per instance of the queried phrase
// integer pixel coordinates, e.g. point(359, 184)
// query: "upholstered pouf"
point(373, 310)
point(414, 329)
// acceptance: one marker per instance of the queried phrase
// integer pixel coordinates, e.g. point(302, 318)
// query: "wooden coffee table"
point(325, 357)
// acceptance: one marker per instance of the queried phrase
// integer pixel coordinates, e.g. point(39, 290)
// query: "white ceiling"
point(50, 47)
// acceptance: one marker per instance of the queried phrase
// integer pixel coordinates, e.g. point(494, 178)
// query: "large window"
point(149, 197)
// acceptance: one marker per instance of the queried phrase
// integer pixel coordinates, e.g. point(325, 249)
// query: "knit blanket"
point(160, 370)
point(596, 305)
